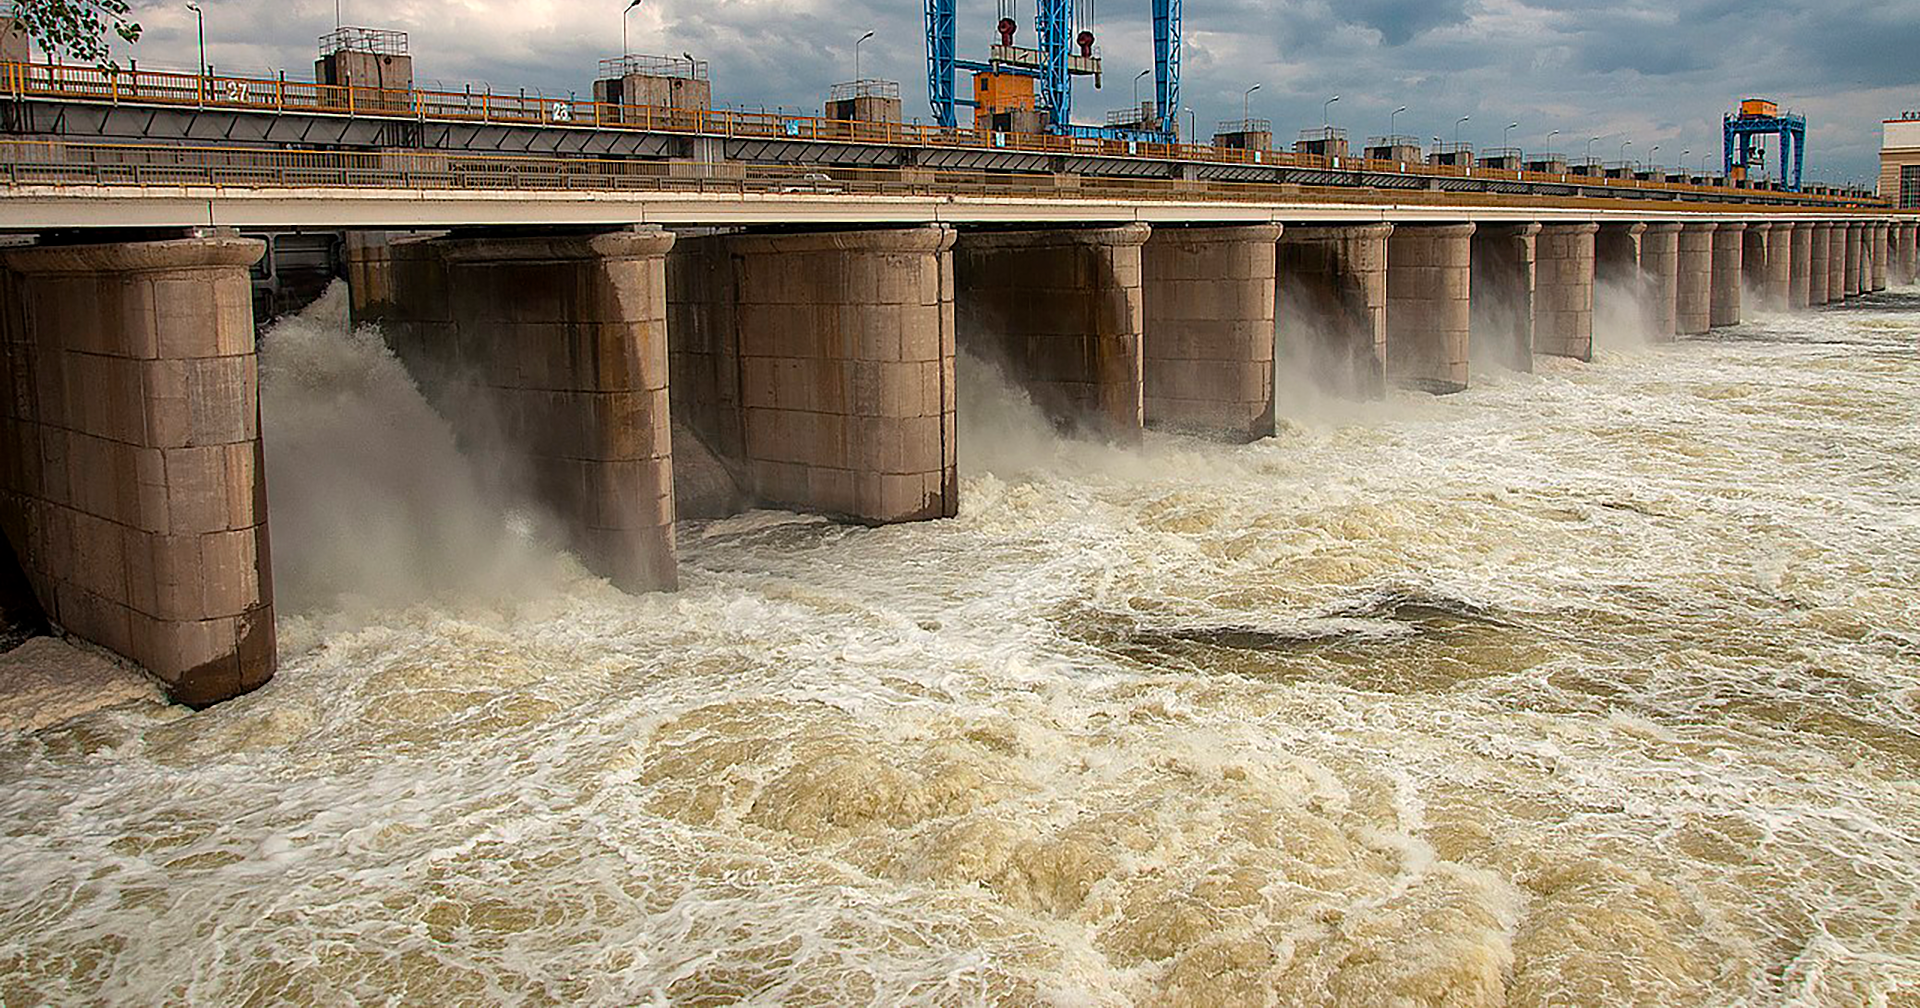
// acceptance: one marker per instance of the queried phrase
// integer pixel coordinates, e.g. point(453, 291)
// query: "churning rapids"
point(1594, 686)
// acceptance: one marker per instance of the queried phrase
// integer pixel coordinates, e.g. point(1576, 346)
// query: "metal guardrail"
point(278, 95)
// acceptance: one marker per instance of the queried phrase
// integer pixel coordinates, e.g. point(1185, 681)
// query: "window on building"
point(1909, 186)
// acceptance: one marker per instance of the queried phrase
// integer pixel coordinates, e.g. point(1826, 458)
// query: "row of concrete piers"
point(639, 375)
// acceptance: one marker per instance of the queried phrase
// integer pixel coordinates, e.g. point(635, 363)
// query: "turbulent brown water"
point(1596, 686)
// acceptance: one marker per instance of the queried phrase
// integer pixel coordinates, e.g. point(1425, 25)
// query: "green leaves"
point(77, 29)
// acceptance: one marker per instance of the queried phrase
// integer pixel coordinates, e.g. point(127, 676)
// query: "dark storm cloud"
point(1657, 73)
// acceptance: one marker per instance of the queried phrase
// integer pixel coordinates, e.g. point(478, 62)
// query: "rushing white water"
point(1594, 686)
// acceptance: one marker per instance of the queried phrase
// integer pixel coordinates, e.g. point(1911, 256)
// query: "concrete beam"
point(1331, 306)
point(134, 491)
point(1208, 350)
point(1063, 308)
point(1429, 306)
point(1563, 305)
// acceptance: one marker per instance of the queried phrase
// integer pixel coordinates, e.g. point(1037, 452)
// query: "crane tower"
point(1016, 88)
point(1756, 118)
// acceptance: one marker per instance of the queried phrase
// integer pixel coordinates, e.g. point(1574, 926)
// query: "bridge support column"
point(132, 486)
point(1768, 260)
point(1799, 264)
point(1909, 252)
point(1837, 262)
point(1502, 293)
point(820, 366)
point(1693, 302)
point(1878, 237)
point(1429, 310)
point(1064, 309)
point(1660, 265)
point(1617, 249)
point(1729, 277)
point(1819, 263)
point(1209, 311)
point(1331, 306)
point(1856, 247)
point(1563, 313)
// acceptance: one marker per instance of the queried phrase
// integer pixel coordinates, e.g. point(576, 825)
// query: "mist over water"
point(1598, 685)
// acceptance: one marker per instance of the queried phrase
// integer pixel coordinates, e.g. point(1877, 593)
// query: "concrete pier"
point(1660, 265)
point(1855, 258)
point(1563, 290)
point(1881, 248)
point(1502, 292)
point(1837, 263)
point(1729, 244)
point(819, 366)
point(1910, 252)
point(1799, 264)
point(1331, 306)
point(1208, 350)
point(1693, 302)
point(1776, 272)
point(1063, 310)
point(133, 489)
point(1429, 313)
point(1617, 249)
point(1819, 264)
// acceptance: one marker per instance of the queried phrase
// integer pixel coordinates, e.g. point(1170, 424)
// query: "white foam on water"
point(1593, 686)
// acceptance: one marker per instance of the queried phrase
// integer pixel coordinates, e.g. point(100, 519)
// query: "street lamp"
point(1326, 111)
point(1624, 144)
point(1456, 130)
point(1590, 142)
point(1391, 118)
point(856, 54)
point(1193, 127)
point(200, 19)
point(1550, 135)
point(1506, 135)
point(1246, 106)
point(1684, 155)
point(625, 48)
point(1653, 159)
point(1136, 85)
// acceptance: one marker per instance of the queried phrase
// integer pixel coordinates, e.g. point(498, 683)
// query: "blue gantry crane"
point(1018, 89)
point(1757, 118)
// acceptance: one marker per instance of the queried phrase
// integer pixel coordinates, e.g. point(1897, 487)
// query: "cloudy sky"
point(1639, 71)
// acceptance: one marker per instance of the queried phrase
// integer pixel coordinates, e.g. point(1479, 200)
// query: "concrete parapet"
point(1563, 293)
point(133, 489)
point(1331, 306)
point(1429, 306)
point(1819, 263)
point(1799, 264)
point(1208, 348)
point(1880, 245)
point(820, 366)
point(1693, 298)
point(1502, 292)
point(1660, 265)
point(1063, 307)
point(1852, 267)
point(1729, 276)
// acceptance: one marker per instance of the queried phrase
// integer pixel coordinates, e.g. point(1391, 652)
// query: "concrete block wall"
point(1209, 317)
point(133, 489)
point(820, 366)
point(1799, 264)
point(1429, 313)
point(1729, 276)
point(1819, 263)
point(1502, 291)
point(1331, 306)
point(1660, 265)
point(1693, 300)
point(1063, 310)
point(1563, 298)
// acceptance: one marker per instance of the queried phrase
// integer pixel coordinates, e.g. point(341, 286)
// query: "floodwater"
point(1596, 686)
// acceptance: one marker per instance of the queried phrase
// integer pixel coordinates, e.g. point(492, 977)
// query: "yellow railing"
point(170, 88)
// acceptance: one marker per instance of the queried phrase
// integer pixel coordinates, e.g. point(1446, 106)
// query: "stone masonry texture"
point(1331, 307)
point(1563, 295)
point(1429, 311)
point(1209, 336)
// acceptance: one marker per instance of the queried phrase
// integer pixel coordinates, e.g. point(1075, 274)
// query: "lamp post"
point(1684, 154)
point(1590, 142)
point(1246, 106)
point(1653, 160)
point(626, 48)
point(1456, 130)
point(1326, 111)
point(1193, 127)
point(856, 54)
point(200, 19)
point(1136, 85)
point(1550, 135)
point(1624, 144)
point(1390, 118)
point(1506, 136)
